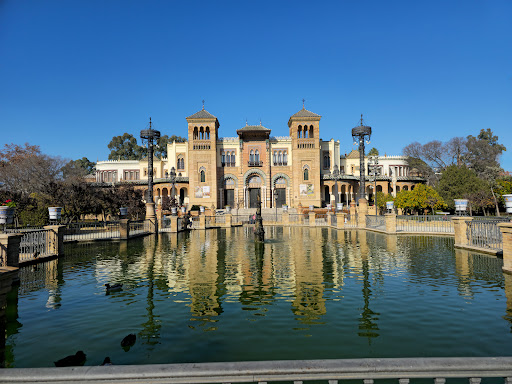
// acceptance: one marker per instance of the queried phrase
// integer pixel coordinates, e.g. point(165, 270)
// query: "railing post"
point(286, 218)
point(10, 249)
point(55, 240)
point(340, 220)
point(362, 212)
point(151, 219)
point(312, 222)
point(124, 229)
point(229, 220)
point(330, 215)
point(390, 220)
point(459, 229)
point(506, 233)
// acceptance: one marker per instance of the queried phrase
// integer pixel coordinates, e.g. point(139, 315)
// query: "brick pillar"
point(286, 218)
point(390, 219)
point(459, 229)
point(312, 219)
point(362, 212)
point(353, 208)
point(340, 220)
point(55, 240)
point(506, 232)
point(229, 220)
point(124, 229)
point(10, 249)
point(202, 221)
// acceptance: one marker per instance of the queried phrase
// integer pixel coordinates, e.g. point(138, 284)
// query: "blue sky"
point(73, 74)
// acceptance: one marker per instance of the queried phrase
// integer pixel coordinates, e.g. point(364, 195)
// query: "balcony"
point(255, 163)
point(228, 164)
point(281, 164)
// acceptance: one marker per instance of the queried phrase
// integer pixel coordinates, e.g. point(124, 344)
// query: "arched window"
point(207, 133)
point(203, 176)
point(233, 159)
point(305, 135)
point(285, 158)
point(311, 131)
point(195, 133)
point(274, 157)
point(257, 156)
point(280, 158)
point(181, 163)
point(201, 133)
point(251, 156)
point(306, 174)
point(299, 131)
point(222, 157)
point(326, 161)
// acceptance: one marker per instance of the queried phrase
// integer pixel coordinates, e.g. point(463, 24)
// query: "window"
point(233, 158)
point(222, 157)
point(257, 156)
point(311, 131)
point(280, 157)
point(181, 163)
point(203, 176)
point(299, 131)
point(285, 158)
point(207, 137)
point(251, 156)
point(274, 157)
point(195, 136)
point(306, 174)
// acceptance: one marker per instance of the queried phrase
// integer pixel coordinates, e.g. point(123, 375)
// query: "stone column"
point(124, 229)
point(229, 220)
point(506, 232)
point(459, 229)
point(362, 212)
point(340, 220)
point(286, 218)
point(390, 219)
point(329, 218)
point(352, 209)
point(202, 222)
point(312, 219)
point(10, 249)
point(151, 218)
point(55, 240)
point(174, 224)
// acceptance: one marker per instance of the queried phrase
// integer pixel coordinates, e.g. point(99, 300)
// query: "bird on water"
point(71, 360)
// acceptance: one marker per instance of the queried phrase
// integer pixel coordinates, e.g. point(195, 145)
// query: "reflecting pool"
point(215, 295)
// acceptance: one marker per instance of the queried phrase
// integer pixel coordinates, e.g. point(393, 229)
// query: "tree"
point(457, 149)
point(125, 147)
point(459, 183)
point(25, 170)
point(428, 159)
point(382, 198)
point(78, 168)
point(373, 152)
point(404, 200)
point(423, 197)
point(483, 151)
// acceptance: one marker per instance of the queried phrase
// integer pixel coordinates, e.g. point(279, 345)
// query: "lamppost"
point(149, 136)
point(275, 200)
point(360, 134)
point(374, 171)
point(173, 190)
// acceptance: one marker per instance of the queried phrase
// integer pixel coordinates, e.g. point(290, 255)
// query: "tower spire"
point(203, 104)
point(303, 101)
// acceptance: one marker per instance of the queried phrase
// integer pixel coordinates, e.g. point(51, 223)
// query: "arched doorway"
point(229, 192)
point(254, 184)
point(280, 191)
point(327, 195)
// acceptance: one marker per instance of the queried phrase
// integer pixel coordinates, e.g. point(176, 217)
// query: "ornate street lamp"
point(173, 181)
point(275, 200)
point(360, 134)
point(374, 171)
point(150, 136)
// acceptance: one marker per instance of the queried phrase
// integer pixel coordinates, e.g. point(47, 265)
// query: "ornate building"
point(298, 169)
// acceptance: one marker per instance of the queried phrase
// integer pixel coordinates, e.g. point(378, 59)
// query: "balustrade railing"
point(305, 218)
point(485, 233)
point(294, 218)
point(321, 219)
point(35, 244)
point(221, 219)
point(91, 230)
point(350, 221)
point(195, 222)
point(334, 220)
point(139, 227)
point(375, 222)
point(424, 223)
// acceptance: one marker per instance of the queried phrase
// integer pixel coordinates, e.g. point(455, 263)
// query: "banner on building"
point(306, 189)
point(202, 192)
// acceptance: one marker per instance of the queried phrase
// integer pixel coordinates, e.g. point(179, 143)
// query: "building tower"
point(305, 133)
point(203, 130)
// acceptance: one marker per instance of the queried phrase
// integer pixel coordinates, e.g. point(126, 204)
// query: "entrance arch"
point(254, 182)
point(280, 184)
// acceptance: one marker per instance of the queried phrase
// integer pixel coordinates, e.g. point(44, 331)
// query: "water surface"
point(306, 293)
